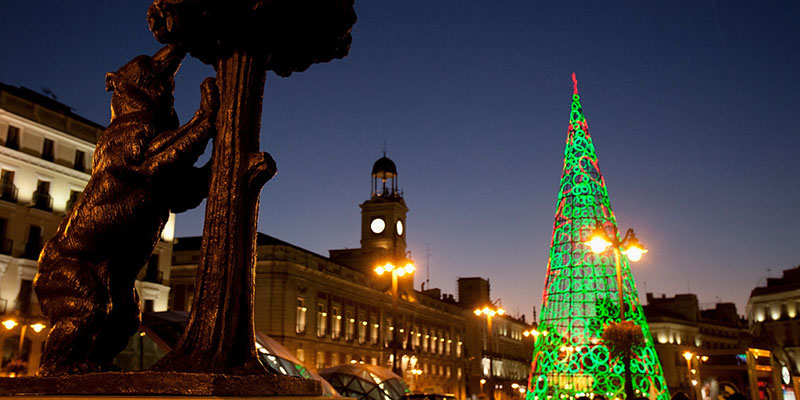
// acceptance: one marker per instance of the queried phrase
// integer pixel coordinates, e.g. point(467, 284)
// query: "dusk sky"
point(691, 104)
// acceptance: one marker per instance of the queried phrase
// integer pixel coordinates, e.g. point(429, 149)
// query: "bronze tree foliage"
point(292, 34)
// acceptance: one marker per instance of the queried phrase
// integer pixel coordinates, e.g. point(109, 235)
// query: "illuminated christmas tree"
point(581, 296)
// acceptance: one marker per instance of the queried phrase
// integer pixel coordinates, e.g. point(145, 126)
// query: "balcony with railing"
point(42, 201)
point(8, 192)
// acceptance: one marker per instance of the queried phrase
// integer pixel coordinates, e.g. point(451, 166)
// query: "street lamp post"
point(601, 241)
point(489, 313)
point(396, 272)
point(694, 373)
point(11, 323)
point(629, 245)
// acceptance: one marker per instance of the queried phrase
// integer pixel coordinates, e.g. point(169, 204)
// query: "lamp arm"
point(628, 234)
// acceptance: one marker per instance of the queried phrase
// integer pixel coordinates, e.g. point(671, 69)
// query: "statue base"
point(104, 385)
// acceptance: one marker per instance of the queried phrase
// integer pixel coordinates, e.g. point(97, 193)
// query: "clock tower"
point(383, 224)
point(383, 216)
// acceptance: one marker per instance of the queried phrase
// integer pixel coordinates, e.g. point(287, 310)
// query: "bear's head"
point(145, 83)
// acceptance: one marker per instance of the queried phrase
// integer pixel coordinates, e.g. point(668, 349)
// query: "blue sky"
point(691, 106)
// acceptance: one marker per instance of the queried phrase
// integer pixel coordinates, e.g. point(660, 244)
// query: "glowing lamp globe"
point(634, 253)
point(598, 244)
point(409, 268)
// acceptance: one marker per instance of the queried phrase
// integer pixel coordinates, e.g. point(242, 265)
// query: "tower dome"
point(384, 177)
point(384, 168)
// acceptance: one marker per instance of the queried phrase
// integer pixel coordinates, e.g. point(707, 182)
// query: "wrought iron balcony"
point(8, 192)
point(42, 201)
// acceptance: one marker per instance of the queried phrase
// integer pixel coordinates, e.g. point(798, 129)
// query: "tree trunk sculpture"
point(242, 39)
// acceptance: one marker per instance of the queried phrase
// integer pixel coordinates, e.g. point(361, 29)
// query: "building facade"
point(500, 357)
point(45, 162)
point(703, 353)
point(773, 312)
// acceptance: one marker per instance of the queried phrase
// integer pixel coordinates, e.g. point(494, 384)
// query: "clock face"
point(787, 377)
point(400, 227)
point(377, 225)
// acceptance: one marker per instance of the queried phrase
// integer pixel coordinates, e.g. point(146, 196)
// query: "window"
point(41, 197)
point(447, 346)
point(12, 138)
point(374, 329)
point(178, 294)
point(34, 245)
point(301, 355)
point(425, 340)
point(300, 323)
point(334, 358)
point(5, 243)
point(152, 273)
point(387, 334)
point(336, 323)
point(458, 347)
point(320, 360)
point(47, 150)
point(322, 320)
point(73, 198)
point(349, 325)
point(416, 336)
point(8, 191)
point(404, 334)
point(24, 297)
point(80, 164)
point(362, 327)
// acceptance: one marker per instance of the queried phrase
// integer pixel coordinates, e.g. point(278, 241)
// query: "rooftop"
point(47, 111)
point(789, 281)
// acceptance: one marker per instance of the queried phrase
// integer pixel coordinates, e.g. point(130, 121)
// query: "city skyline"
point(689, 105)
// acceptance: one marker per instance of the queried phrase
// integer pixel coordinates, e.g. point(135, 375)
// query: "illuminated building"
point(45, 162)
point(506, 354)
point(773, 312)
point(714, 340)
point(334, 310)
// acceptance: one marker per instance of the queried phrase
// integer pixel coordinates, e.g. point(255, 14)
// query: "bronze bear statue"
point(143, 168)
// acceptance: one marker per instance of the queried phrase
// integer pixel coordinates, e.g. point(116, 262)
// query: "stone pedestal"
point(132, 385)
point(157, 397)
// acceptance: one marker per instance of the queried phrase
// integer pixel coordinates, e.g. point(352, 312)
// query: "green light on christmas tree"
point(581, 295)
